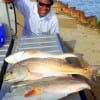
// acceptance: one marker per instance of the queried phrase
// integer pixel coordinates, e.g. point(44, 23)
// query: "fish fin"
point(66, 55)
point(92, 72)
point(46, 54)
point(35, 75)
point(32, 52)
point(34, 91)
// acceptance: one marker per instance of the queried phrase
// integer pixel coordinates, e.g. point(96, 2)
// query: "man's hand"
point(8, 1)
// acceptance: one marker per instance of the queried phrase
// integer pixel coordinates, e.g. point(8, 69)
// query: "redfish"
point(37, 68)
point(22, 55)
point(52, 89)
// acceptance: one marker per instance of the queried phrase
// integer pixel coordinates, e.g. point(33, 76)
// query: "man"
point(38, 17)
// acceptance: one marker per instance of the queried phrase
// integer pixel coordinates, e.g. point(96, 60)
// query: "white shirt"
point(33, 24)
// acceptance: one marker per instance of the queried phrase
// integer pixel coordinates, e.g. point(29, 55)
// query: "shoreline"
point(89, 7)
point(80, 38)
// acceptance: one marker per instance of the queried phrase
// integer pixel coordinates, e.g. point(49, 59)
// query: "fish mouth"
point(10, 80)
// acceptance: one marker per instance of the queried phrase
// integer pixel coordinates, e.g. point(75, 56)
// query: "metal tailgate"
point(48, 43)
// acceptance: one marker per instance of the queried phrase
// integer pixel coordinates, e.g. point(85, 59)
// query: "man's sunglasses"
point(43, 4)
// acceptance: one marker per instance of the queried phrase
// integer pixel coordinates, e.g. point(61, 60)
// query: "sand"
point(80, 39)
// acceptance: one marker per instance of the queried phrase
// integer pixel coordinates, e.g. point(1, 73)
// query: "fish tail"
point(96, 72)
point(92, 72)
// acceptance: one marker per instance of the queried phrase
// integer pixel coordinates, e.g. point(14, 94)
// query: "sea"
point(90, 7)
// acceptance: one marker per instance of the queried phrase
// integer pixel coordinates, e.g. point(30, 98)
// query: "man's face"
point(44, 7)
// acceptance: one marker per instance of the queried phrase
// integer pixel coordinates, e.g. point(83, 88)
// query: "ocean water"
point(90, 7)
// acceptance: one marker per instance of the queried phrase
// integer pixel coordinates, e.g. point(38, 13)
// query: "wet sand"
point(80, 39)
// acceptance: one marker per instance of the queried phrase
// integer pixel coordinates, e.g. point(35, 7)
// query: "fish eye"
point(11, 72)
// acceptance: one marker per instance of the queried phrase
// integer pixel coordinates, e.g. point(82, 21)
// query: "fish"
point(55, 88)
point(37, 68)
point(22, 55)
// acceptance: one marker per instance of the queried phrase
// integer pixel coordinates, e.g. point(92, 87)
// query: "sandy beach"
point(80, 39)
